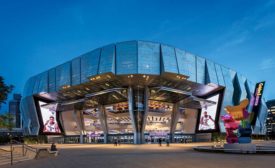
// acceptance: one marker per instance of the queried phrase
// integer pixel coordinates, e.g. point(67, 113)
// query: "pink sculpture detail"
point(230, 125)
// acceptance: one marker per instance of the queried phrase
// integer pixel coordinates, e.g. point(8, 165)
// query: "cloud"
point(233, 42)
point(242, 29)
point(267, 64)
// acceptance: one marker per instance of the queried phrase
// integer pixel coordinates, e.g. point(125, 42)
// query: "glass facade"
point(221, 77)
point(201, 70)
point(169, 60)
point(242, 81)
point(28, 89)
point(186, 64)
point(43, 83)
point(211, 75)
point(76, 75)
point(63, 75)
point(107, 60)
point(36, 84)
point(187, 125)
point(52, 83)
point(89, 64)
point(126, 58)
point(148, 58)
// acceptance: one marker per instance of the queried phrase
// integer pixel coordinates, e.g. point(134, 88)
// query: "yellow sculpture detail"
point(237, 112)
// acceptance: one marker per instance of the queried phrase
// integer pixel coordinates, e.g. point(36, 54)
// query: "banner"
point(256, 100)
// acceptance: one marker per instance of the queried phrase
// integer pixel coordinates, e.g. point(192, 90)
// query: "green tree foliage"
point(6, 121)
point(4, 90)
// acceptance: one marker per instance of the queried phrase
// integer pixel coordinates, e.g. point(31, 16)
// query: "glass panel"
point(187, 121)
point(52, 84)
point(200, 70)
point(107, 59)
point(36, 84)
point(43, 84)
point(126, 57)
point(148, 58)
point(242, 81)
point(89, 64)
point(227, 76)
point(76, 71)
point(28, 88)
point(187, 64)
point(63, 75)
point(211, 72)
point(220, 75)
point(169, 59)
point(70, 124)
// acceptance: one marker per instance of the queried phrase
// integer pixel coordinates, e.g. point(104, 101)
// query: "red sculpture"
point(230, 125)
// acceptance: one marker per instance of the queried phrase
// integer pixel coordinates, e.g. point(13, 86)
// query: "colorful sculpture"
point(238, 112)
point(230, 125)
point(237, 118)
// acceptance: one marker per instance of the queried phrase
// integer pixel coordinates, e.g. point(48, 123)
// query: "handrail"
point(25, 145)
point(11, 154)
point(5, 151)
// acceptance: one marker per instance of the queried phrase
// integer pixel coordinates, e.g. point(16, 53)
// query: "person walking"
point(115, 142)
point(118, 141)
point(167, 142)
point(159, 141)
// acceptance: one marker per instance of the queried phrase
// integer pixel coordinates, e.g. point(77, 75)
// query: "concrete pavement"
point(145, 156)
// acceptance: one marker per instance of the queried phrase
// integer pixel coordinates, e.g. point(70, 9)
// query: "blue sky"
point(38, 35)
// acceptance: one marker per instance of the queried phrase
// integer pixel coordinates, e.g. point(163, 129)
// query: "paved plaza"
point(145, 156)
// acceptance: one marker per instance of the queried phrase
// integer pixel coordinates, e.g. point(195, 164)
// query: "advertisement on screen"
point(208, 115)
point(48, 114)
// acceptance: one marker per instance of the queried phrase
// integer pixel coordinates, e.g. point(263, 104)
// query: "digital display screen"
point(208, 115)
point(48, 113)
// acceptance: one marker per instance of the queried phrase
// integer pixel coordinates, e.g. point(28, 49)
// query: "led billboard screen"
point(48, 114)
point(208, 115)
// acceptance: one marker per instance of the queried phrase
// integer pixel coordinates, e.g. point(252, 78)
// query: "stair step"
point(15, 160)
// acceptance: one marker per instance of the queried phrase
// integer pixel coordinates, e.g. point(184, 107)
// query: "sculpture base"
point(243, 148)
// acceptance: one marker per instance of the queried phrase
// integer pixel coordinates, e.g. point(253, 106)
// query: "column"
point(103, 122)
point(174, 120)
point(138, 109)
point(131, 112)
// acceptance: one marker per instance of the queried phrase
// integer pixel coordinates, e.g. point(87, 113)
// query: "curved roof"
point(132, 57)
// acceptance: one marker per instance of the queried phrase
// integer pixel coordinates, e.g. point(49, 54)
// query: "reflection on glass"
point(187, 120)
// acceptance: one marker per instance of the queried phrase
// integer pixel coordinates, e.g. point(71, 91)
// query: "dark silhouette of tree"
point(4, 91)
point(6, 121)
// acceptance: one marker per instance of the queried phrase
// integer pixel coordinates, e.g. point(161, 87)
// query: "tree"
point(4, 91)
point(6, 121)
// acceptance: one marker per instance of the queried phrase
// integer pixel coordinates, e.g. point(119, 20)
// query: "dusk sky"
point(37, 35)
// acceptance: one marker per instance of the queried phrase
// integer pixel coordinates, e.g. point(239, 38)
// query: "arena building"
point(135, 92)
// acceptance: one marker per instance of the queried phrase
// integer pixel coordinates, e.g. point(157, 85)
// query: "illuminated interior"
point(118, 118)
